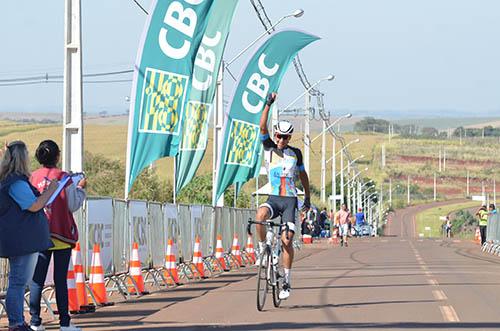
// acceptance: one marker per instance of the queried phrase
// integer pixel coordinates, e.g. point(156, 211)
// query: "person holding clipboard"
point(24, 230)
point(66, 199)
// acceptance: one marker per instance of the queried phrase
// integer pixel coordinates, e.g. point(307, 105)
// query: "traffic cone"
point(219, 253)
point(197, 258)
point(334, 239)
point(73, 305)
point(81, 292)
point(235, 250)
point(171, 262)
point(96, 280)
point(477, 236)
point(250, 249)
point(307, 239)
point(135, 271)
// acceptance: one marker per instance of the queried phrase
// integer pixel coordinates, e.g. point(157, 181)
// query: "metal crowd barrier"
point(492, 244)
point(115, 224)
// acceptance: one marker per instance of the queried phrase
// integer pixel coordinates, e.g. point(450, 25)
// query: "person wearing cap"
point(24, 229)
point(283, 166)
point(482, 213)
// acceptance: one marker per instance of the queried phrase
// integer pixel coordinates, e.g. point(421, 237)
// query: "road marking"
point(449, 314)
point(439, 295)
point(424, 267)
point(384, 240)
point(428, 273)
point(432, 282)
point(402, 239)
point(456, 241)
point(439, 240)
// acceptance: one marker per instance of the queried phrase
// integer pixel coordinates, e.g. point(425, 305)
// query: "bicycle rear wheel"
point(262, 282)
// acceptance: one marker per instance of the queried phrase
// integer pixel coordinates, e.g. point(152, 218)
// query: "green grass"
point(430, 218)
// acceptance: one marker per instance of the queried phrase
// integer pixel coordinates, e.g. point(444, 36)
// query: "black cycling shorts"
point(285, 207)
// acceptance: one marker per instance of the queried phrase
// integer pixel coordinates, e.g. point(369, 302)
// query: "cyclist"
point(283, 165)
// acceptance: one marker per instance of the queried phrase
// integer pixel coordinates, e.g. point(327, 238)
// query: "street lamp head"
point(366, 169)
point(362, 156)
point(357, 140)
point(330, 77)
point(298, 13)
point(348, 115)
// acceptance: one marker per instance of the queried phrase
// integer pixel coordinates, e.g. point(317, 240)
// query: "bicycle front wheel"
point(278, 286)
point(262, 282)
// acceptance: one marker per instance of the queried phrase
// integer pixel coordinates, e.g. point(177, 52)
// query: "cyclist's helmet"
point(283, 127)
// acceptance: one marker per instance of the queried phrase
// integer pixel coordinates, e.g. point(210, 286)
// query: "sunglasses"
point(283, 136)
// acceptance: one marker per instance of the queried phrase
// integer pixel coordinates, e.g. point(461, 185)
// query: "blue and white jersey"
point(282, 167)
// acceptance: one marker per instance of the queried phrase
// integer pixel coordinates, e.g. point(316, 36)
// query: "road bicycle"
point(270, 275)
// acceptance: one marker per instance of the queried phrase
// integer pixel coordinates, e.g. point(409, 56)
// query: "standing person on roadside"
point(343, 216)
point(448, 227)
point(24, 230)
point(283, 167)
point(492, 209)
point(63, 232)
point(482, 213)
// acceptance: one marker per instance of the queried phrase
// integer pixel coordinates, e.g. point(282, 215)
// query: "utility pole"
point(334, 177)
point(408, 198)
point(218, 135)
point(444, 160)
point(342, 177)
point(72, 158)
point(323, 163)
point(383, 157)
point(390, 191)
point(307, 136)
point(468, 193)
point(440, 159)
point(435, 187)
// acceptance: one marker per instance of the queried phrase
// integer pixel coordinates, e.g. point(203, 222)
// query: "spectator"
point(24, 230)
point(482, 213)
point(323, 216)
point(448, 227)
point(343, 216)
point(492, 209)
point(63, 232)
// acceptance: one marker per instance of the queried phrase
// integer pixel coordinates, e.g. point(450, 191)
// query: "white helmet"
point(283, 127)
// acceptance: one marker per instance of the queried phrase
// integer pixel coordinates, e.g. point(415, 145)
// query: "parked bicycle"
point(270, 275)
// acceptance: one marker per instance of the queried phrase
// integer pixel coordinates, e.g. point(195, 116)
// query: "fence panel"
point(138, 218)
point(121, 235)
point(157, 235)
point(494, 228)
point(99, 230)
point(185, 244)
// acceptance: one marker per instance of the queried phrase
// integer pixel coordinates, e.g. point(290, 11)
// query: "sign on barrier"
point(100, 230)
point(138, 213)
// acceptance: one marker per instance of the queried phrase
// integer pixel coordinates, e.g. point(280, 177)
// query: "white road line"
point(439, 295)
point(449, 314)
point(432, 282)
point(424, 267)
point(428, 273)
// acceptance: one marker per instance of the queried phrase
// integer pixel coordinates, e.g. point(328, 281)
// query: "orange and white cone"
point(219, 252)
point(477, 236)
point(81, 292)
point(171, 261)
point(135, 271)
point(96, 280)
point(334, 239)
point(250, 249)
point(235, 250)
point(73, 305)
point(197, 258)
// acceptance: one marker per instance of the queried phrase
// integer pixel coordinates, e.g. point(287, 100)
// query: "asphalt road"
point(395, 282)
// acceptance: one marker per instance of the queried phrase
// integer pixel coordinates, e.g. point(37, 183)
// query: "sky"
point(391, 58)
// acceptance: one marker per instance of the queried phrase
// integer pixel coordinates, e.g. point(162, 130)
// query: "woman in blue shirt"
point(24, 229)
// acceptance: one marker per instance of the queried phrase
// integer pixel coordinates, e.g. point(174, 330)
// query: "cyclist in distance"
point(283, 166)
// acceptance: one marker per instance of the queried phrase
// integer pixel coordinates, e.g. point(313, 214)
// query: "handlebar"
point(268, 223)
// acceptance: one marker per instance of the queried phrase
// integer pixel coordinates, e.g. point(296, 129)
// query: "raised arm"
point(265, 113)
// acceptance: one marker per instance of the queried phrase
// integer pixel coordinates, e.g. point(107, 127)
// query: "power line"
point(41, 79)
